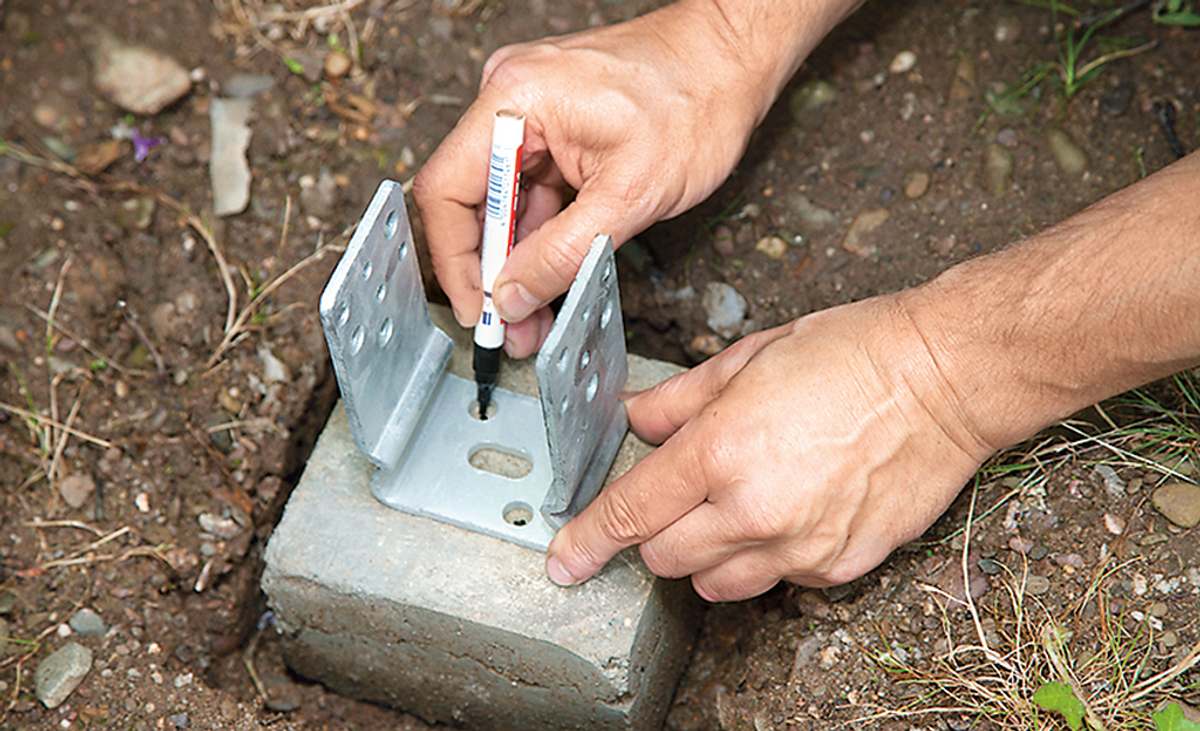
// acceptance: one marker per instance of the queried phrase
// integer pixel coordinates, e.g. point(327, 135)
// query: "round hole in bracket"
point(366, 270)
point(473, 409)
point(385, 332)
point(563, 359)
point(562, 408)
point(586, 314)
point(390, 224)
point(518, 513)
point(584, 358)
point(606, 315)
point(608, 272)
point(381, 292)
point(401, 250)
point(593, 385)
point(356, 339)
point(343, 314)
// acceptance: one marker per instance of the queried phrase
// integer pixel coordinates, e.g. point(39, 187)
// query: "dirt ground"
point(144, 460)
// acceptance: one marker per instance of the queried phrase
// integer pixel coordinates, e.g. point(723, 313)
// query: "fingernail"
point(514, 302)
point(558, 573)
point(462, 319)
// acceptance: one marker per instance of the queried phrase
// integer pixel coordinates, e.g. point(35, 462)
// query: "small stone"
point(1074, 560)
point(1113, 484)
point(7, 648)
point(318, 196)
point(916, 184)
point(725, 308)
point(137, 213)
point(1020, 545)
point(962, 86)
point(1070, 158)
point(810, 97)
point(337, 64)
point(47, 115)
point(1115, 524)
point(773, 246)
point(227, 167)
point(1007, 137)
point(812, 215)
point(274, 370)
point(989, 566)
point(142, 502)
point(1179, 502)
point(87, 623)
point(1115, 101)
point(1152, 539)
point(997, 169)
point(1036, 585)
point(137, 79)
point(183, 680)
point(220, 527)
point(8, 601)
point(76, 488)
point(242, 86)
point(903, 62)
point(179, 720)
point(707, 344)
point(1008, 29)
point(61, 673)
point(1170, 638)
point(862, 226)
point(723, 241)
point(1038, 552)
point(1158, 609)
point(95, 159)
point(828, 657)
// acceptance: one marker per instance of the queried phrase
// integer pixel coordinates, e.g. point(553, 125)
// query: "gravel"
point(61, 673)
point(725, 309)
point(87, 623)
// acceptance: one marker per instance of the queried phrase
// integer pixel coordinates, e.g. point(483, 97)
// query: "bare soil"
point(167, 546)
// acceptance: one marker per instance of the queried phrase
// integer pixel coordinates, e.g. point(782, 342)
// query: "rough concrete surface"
point(463, 628)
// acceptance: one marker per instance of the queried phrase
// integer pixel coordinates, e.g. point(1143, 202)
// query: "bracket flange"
point(412, 418)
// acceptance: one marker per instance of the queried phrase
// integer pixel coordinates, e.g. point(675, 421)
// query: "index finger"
point(448, 192)
point(660, 489)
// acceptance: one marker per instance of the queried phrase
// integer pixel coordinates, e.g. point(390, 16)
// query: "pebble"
point(1115, 524)
point(916, 184)
point(1074, 560)
point(997, 169)
point(1071, 159)
point(47, 115)
point(137, 79)
point(274, 369)
point(723, 241)
point(1170, 638)
point(1007, 137)
point(8, 600)
point(1037, 585)
point(773, 246)
point(903, 62)
point(1115, 102)
point(76, 488)
point(179, 720)
point(1038, 552)
point(1008, 29)
point(318, 196)
point(228, 170)
point(96, 158)
point(1113, 484)
point(810, 97)
point(1179, 502)
point(863, 225)
point(707, 344)
point(87, 623)
point(1020, 545)
point(962, 86)
point(220, 527)
point(246, 85)
point(61, 673)
point(725, 309)
point(812, 215)
point(989, 566)
point(1158, 609)
point(7, 648)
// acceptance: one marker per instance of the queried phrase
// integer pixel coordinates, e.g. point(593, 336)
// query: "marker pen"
point(499, 227)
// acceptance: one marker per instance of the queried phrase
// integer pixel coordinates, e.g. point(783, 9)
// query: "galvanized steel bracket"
point(413, 418)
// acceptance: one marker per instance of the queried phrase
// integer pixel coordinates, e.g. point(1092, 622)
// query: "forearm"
point(771, 38)
point(1106, 301)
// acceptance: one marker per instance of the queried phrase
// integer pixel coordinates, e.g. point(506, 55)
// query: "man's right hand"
point(643, 119)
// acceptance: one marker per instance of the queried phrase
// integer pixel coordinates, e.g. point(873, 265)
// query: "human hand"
point(807, 452)
point(643, 119)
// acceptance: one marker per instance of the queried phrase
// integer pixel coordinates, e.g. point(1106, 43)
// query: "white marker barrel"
point(499, 221)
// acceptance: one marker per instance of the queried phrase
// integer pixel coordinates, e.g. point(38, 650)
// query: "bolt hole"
point(608, 272)
point(473, 410)
point(356, 339)
point(563, 359)
point(563, 408)
point(593, 385)
point(343, 314)
point(389, 226)
point(385, 332)
point(584, 358)
point(586, 314)
point(518, 514)
point(506, 463)
point(381, 293)
point(401, 250)
point(366, 270)
point(606, 315)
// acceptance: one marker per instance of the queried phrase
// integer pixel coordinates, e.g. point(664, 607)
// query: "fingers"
point(545, 263)
point(699, 540)
point(664, 486)
point(522, 339)
point(448, 191)
point(747, 574)
point(657, 413)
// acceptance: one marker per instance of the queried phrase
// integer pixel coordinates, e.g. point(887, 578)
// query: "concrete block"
point(459, 627)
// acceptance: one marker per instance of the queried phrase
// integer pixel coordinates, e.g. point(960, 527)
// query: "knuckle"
point(562, 259)
point(660, 562)
point(709, 591)
point(423, 187)
point(620, 522)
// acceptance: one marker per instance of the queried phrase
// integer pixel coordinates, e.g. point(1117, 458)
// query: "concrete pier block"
point(459, 627)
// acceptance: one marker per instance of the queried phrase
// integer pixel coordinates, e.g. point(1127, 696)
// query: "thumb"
point(546, 261)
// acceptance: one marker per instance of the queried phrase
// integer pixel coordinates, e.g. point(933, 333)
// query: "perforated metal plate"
point(413, 420)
